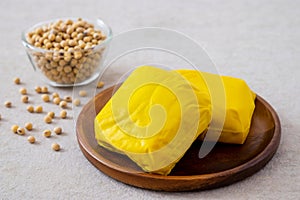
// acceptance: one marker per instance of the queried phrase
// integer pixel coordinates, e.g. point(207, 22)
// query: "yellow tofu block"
point(153, 118)
point(239, 105)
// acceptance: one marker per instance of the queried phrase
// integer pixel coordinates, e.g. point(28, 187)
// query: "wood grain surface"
point(224, 165)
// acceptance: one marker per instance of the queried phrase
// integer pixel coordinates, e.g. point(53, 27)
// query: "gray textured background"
point(254, 40)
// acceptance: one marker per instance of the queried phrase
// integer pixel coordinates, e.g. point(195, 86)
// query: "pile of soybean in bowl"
point(70, 54)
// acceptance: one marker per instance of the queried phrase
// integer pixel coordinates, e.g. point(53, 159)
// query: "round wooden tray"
point(224, 165)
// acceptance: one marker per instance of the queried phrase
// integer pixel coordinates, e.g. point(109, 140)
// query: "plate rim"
point(260, 159)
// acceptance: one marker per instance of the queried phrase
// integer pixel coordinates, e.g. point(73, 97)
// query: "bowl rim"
point(99, 22)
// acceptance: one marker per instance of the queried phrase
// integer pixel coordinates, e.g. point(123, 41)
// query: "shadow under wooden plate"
point(224, 165)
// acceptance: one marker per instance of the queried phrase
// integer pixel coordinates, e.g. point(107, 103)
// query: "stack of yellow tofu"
point(156, 115)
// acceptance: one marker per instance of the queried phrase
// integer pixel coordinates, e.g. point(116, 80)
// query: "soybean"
point(47, 133)
point(23, 91)
point(21, 131)
point(14, 128)
point(17, 80)
point(57, 130)
point(63, 114)
point(48, 119)
point(31, 139)
point(29, 126)
point(24, 99)
point(8, 104)
point(72, 44)
point(55, 147)
point(30, 109)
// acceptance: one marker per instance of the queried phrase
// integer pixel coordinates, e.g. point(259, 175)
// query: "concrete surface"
point(254, 40)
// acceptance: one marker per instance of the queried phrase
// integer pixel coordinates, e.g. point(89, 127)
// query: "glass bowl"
point(67, 67)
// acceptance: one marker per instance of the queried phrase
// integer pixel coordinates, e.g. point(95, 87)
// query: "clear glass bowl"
point(79, 68)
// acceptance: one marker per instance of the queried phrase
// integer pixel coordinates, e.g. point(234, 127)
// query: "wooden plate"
point(224, 165)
